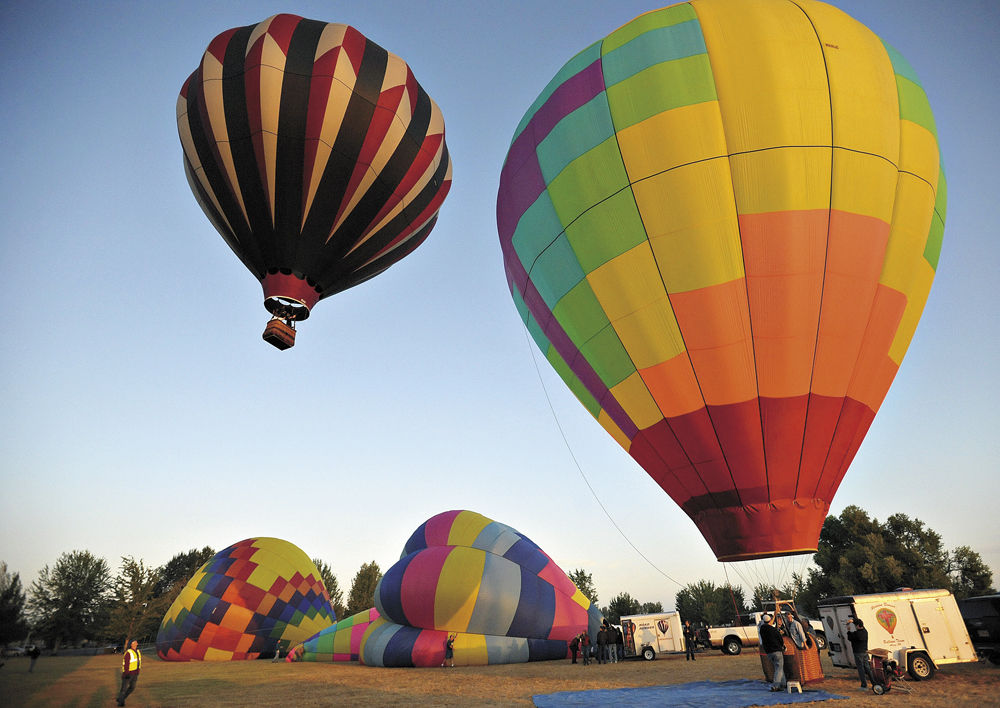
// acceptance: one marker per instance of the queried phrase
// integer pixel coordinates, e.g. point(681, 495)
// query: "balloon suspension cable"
point(576, 462)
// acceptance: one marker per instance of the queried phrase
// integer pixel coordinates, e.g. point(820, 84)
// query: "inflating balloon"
point(339, 642)
point(720, 224)
point(257, 596)
point(317, 156)
point(464, 574)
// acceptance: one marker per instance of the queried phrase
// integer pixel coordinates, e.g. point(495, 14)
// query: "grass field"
point(93, 681)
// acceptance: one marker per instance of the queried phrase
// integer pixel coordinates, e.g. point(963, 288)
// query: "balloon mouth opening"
point(286, 308)
point(735, 557)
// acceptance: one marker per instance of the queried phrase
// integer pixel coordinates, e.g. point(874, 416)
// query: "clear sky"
point(142, 414)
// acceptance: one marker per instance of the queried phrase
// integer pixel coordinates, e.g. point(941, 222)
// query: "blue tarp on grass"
point(701, 694)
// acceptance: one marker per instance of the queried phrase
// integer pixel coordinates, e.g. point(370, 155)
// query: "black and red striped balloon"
point(314, 152)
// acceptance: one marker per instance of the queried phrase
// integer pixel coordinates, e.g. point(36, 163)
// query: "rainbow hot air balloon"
point(720, 224)
point(254, 597)
point(501, 596)
point(317, 156)
point(338, 642)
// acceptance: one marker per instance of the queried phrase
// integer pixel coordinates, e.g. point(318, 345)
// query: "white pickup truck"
point(731, 639)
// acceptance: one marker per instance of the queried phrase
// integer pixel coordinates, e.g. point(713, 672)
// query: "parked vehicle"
point(652, 634)
point(731, 639)
point(921, 629)
point(982, 619)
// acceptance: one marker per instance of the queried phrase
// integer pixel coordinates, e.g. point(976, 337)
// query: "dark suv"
point(982, 619)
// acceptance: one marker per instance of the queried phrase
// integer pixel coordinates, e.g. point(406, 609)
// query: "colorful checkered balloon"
point(255, 597)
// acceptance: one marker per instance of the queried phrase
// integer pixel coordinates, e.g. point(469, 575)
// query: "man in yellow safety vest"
point(131, 663)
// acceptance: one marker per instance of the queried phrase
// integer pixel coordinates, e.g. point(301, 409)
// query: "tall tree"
point(135, 614)
point(12, 622)
point(362, 593)
point(970, 576)
point(70, 601)
point(174, 574)
point(859, 555)
point(705, 602)
point(622, 604)
point(585, 583)
point(332, 589)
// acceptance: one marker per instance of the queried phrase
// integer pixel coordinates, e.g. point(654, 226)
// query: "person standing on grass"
point(33, 654)
point(689, 641)
point(585, 647)
point(574, 646)
point(857, 635)
point(449, 651)
point(131, 663)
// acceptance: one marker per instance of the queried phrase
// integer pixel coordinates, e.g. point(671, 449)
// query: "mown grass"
point(93, 681)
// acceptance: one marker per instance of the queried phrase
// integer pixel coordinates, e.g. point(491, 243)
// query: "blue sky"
point(142, 414)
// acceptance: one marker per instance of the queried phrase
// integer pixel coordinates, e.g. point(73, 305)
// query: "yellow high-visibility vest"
point(133, 660)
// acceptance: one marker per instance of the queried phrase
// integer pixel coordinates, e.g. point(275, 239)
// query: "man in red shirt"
point(131, 663)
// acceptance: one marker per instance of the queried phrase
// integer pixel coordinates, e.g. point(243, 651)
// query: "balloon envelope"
point(315, 154)
point(251, 598)
point(463, 573)
point(338, 642)
point(720, 224)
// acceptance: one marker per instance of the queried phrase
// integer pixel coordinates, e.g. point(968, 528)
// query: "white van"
point(649, 635)
point(921, 629)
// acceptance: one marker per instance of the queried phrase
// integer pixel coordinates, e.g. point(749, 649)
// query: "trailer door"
point(944, 637)
point(940, 642)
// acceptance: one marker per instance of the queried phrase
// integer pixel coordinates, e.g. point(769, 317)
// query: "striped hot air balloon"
point(720, 224)
point(315, 153)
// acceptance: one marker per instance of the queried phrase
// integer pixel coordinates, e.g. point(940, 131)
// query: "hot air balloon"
point(338, 642)
point(720, 224)
point(254, 597)
point(499, 593)
point(317, 156)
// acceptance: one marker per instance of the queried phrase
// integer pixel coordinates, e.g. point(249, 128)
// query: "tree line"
point(856, 555)
point(78, 599)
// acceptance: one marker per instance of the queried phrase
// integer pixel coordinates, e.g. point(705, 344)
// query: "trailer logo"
point(886, 618)
point(663, 626)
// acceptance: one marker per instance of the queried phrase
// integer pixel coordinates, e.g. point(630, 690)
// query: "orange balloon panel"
point(720, 223)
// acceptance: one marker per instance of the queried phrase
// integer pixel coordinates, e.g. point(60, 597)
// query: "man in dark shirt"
point(857, 635)
point(774, 646)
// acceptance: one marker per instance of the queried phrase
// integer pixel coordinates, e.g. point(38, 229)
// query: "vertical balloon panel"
point(720, 224)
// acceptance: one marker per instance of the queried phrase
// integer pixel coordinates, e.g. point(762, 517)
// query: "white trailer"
point(921, 629)
point(653, 634)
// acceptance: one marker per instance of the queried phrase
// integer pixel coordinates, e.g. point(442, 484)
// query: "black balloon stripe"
point(234, 104)
point(290, 158)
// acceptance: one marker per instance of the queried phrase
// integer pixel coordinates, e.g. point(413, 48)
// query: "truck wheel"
point(920, 667)
point(732, 646)
point(648, 654)
point(820, 641)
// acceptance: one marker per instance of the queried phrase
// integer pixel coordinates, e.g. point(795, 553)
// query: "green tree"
point(176, 572)
point(332, 588)
point(705, 602)
point(970, 576)
point(648, 608)
point(623, 604)
point(585, 583)
point(12, 621)
point(859, 555)
point(70, 601)
point(362, 593)
point(135, 613)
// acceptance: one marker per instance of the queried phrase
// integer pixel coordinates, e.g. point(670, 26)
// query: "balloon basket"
point(279, 334)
